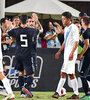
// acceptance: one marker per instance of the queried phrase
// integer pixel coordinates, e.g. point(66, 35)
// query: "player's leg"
point(2, 89)
point(30, 70)
point(20, 68)
point(21, 83)
point(60, 85)
point(73, 80)
point(74, 84)
point(5, 82)
point(84, 75)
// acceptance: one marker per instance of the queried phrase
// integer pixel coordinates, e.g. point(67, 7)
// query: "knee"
point(72, 76)
point(30, 75)
point(21, 73)
point(63, 75)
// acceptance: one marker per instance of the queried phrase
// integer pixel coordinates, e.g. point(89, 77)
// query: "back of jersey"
point(24, 40)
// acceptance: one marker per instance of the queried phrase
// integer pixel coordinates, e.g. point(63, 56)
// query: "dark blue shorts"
point(27, 64)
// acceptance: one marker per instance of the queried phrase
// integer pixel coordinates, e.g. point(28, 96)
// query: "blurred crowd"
point(51, 31)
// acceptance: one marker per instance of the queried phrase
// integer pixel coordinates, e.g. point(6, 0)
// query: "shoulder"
point(74, 26)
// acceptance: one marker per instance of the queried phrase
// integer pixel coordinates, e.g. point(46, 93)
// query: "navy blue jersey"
point(86, 35)
point(25, 40)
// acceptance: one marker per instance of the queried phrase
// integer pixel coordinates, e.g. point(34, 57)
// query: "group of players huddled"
point(22, 33)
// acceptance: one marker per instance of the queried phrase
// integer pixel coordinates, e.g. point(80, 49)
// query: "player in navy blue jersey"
point(25, 39)
point(85, 57)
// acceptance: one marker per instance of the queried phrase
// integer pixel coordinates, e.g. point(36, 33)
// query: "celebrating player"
point(24, 47)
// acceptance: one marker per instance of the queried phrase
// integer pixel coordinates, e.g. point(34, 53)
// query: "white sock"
point(7, 86)
point(74, 84)
point(60, 84)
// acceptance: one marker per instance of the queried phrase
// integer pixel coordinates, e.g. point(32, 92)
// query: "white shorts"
point(68, 66)
point(1, 65)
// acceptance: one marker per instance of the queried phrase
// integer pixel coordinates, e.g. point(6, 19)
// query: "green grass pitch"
point(41, 96)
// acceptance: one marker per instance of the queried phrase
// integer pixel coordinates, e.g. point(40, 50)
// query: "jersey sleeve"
point(12, 33)
point(86, 36)
point(76, 33)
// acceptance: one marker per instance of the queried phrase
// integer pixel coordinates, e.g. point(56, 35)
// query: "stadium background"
point(47, 74)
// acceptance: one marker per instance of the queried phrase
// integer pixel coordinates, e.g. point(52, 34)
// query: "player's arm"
point(73, 50)
point(38, 24)
point(59, 51)
point(86, 45)
point(50, 37)
point(40, 28)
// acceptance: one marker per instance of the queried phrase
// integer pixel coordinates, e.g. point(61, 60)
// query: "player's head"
point(85, 21)
point(23, 19)
point(5, 23)
point(16, 21)
point(66, 18)
point(50, 25)
point(77, 23)
point(31, 22)
point(81, 15)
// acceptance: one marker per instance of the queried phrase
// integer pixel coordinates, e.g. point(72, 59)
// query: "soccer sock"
point(74, 84)
point(1, 84)
point(85, 85)
point(21, 82)
point(7, 86)
point(28, 82)
point(60, 84)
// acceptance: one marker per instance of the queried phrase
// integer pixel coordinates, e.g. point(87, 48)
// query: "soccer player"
point(70, 44)
point(4, 80)
point(85, 56)
point(24, 47)
point(16, 21)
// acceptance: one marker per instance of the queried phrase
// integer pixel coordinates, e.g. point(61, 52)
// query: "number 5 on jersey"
point(25, 41)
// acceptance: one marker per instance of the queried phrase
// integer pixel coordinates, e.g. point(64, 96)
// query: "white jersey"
point(1, 66)
point(71, 35)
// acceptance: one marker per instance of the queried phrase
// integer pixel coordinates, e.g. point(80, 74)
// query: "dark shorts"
point(27, 64)
point(85, 70)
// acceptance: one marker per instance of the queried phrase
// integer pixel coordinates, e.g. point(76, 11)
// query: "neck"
point(68, 24)
point(85, 27)
point(23, 25)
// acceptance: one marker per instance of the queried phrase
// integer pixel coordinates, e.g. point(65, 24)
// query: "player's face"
point(82, 22)
point(31, 23)
point(79, 27)
point(50, 25)
point(16, 21)
point(65, 21)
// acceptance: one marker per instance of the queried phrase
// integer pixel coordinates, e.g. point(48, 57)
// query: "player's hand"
point(57, 55)
point(79, 57)
point(35, 17)
point(8, 41)
point(71, 56)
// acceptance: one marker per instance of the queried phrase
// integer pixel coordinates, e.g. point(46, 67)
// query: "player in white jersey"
point(4, 80)
point(70, 44)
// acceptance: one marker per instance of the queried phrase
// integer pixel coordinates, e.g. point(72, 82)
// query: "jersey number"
point(24, 40)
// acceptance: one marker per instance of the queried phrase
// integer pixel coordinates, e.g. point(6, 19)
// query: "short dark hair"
point(67, 15)
point(86, 19)
point(82, 14)
point(23, 19)
point(15, 17)
point(2, 20)
point(76, 20)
